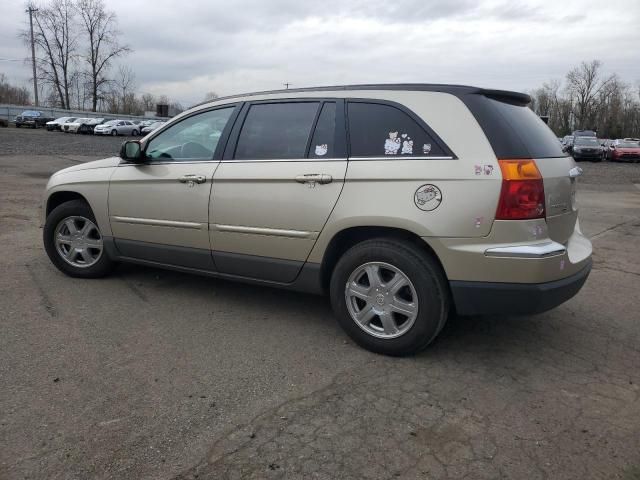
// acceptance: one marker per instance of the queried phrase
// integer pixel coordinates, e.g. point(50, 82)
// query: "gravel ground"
point(152, 374)
point(25, 141)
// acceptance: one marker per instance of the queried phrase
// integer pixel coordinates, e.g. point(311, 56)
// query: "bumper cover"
point(489, 298)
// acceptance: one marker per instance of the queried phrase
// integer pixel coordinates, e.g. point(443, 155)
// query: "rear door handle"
point(192, 179)
point(313, 178)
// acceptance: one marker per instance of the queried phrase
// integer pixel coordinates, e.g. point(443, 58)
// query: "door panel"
point(269, 201)
point(153, 203)
point(260, 209)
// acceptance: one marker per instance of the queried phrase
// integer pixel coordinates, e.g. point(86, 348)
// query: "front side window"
point(377, 130)
point(276, 131)
point(194, 138)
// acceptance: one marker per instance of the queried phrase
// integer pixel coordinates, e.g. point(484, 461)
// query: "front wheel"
point(389, 296)
point(114, 133)
point(74, 243)
point(134, 133)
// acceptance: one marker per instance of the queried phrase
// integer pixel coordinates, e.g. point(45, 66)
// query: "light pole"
point(31, 11)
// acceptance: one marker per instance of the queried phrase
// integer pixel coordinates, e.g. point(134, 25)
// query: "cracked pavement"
point(159, 375)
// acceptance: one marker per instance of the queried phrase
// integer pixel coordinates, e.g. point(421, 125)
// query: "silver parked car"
point(403, 203)
point(116, 127)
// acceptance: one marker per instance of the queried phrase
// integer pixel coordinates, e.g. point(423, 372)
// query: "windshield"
point(628, 145)
point(590, 141)
point(110, 122)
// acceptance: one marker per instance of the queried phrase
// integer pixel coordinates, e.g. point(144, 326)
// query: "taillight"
point(522, 194)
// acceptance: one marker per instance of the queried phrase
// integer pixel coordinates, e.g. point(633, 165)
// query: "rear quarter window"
point(382, 130)
point(513, 130)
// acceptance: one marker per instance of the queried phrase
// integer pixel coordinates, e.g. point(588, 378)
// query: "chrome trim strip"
point(541, 250)
point(398, 157)
point(158, 223)
point(277, 232)
point(269, 160)
point(166, 163)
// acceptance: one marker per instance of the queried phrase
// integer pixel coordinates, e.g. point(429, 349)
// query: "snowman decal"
point(392, 144)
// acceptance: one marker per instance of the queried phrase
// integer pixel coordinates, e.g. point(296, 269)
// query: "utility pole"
point(286, 85)
point(31, 11)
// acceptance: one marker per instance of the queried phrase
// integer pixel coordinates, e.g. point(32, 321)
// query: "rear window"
point(379, 130)
point(513, 130)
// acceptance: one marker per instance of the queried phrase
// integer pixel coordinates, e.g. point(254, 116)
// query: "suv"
point(31, 118)
point(403, 202)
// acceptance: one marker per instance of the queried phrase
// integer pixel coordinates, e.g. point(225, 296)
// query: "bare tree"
point(584, 85)
point(100, 28)
point(55, 38)
point(126, 81)
point(13, 94)
point(148, 102)
point(210, 96)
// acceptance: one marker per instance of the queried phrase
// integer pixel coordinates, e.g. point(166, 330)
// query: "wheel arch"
point(348, 237)
point(58, 198)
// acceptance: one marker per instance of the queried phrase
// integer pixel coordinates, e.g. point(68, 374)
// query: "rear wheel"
point(134, 133)
point(74, 243)
point(389, 296)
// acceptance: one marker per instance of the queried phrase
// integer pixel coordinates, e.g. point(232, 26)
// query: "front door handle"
point(191, 179)
point(313, 178)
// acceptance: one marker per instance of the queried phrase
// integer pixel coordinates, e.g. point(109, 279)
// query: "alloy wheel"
point(78, 241)
point(381, 300)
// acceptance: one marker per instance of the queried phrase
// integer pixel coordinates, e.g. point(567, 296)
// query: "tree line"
point(77, 43)
point(589, 100)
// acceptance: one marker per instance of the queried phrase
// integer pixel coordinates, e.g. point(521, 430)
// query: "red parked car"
point(624, 151)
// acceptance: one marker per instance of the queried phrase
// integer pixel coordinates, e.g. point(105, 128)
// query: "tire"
point(114, 133)
point(134, 133)
point(426, 282)
point(76, 209)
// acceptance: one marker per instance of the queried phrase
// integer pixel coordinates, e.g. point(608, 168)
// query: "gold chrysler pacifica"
point(403, 202)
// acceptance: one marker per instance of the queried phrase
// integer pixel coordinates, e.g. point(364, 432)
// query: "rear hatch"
point(516, 132)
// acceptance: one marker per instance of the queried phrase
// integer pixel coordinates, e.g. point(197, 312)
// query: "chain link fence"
point(9, 112)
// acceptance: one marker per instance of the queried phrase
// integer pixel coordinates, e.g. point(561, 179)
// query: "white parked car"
point(117, 127)
point(151, 127)
point(58, 123)
point(73, 127)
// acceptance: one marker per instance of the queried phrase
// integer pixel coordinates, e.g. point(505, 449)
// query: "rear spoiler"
point(515, 98)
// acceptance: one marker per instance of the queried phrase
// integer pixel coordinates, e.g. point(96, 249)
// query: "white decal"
point(321, 150)
point(426, 148)
point(479, 221)
point(488, 169)
point(407, 146)
point(478, 169)
point(392, 144)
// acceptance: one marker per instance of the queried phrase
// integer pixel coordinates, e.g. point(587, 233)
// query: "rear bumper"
point(487, 298)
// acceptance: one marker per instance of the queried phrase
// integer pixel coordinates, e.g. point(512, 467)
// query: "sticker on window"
point(392, 144)
point(322, 150)
point(407, 145)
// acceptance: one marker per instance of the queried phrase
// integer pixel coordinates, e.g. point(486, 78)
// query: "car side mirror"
point(131, 151)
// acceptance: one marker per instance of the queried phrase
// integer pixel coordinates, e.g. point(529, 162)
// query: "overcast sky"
point(185, 48)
